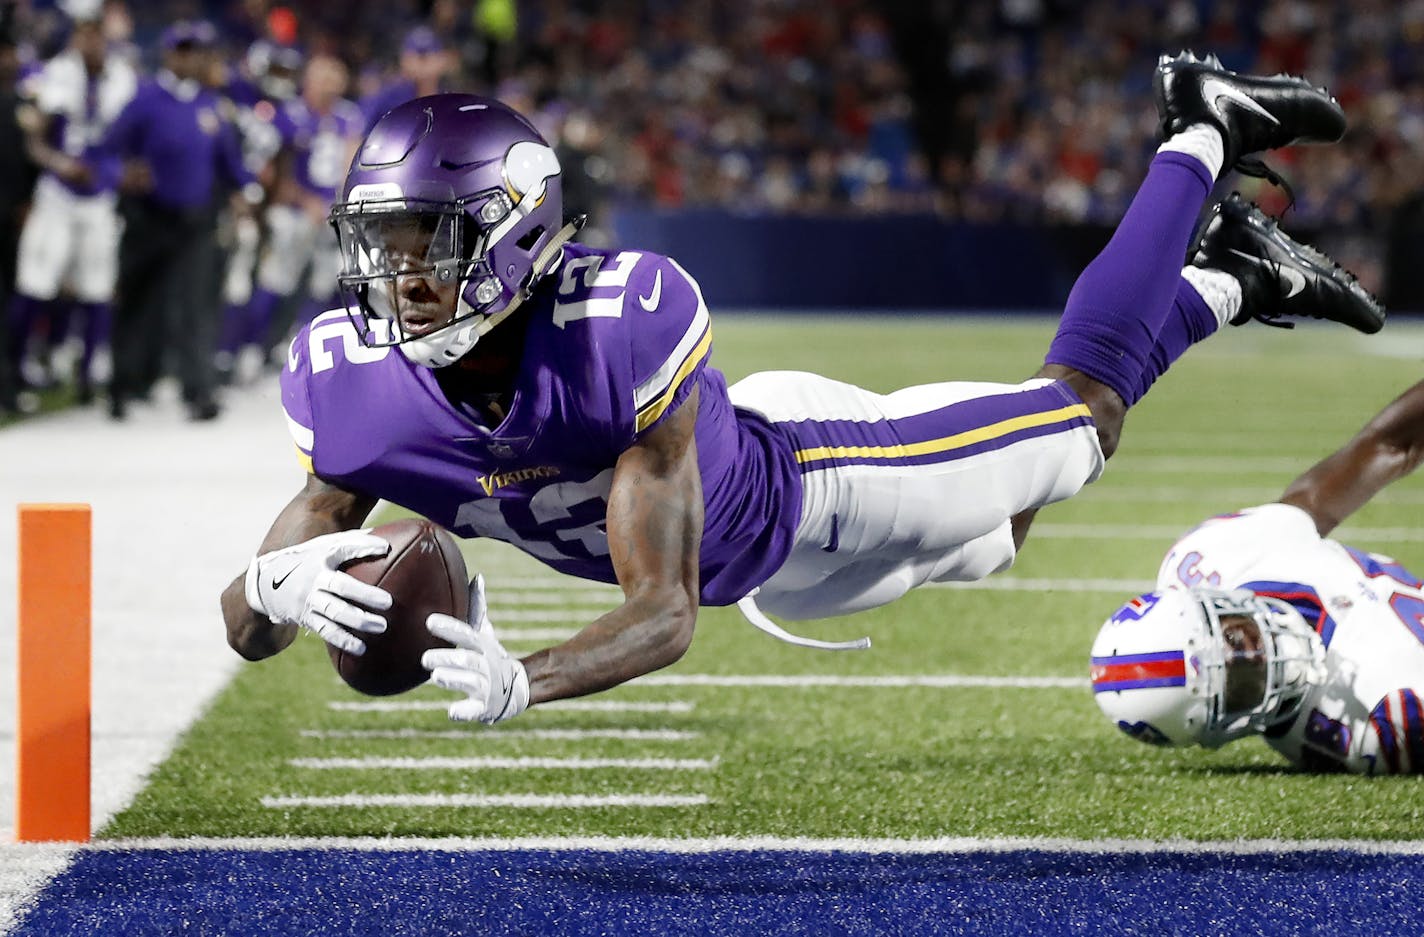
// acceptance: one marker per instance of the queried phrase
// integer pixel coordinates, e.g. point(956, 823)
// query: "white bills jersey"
point(1366, 716)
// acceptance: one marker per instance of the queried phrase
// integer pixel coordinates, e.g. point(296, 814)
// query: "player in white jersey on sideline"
point(1262, 625)
point(70, 239)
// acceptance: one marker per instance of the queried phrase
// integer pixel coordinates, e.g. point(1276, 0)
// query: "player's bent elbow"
point(675, 634)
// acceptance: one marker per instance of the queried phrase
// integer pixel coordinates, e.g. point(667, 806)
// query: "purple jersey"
point(616, 342)
point(320, 143)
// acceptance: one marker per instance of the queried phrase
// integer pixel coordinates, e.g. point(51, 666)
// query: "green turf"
point(1231, 426)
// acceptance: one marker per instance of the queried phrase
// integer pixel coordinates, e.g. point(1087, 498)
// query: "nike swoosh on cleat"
point(1295, 280)
point(1214, 89)
point(650, 302)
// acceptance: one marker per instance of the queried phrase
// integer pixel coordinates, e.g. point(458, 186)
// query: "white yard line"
point(786, 681)
point(526, 801)
point(492, 735)
point(552, 615)
point(1173, 532)
point(503, 764)
point(601, 706)
point(1014, 584)
point(1218, 499)
point(533, 634)
point(946, 845)
point(1209, 464)
point(559, 595)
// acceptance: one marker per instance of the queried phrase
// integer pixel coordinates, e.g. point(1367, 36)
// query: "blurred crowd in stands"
point(981, 111)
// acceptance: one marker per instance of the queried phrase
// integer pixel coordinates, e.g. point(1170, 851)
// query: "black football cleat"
point(1279, 276)
point(1253, 113)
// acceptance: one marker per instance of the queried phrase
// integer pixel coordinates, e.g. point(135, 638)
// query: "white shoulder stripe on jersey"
point(657, 384)
point(301, 435)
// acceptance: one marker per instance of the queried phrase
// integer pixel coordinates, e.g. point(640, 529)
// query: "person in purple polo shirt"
point(504, 382)
point(176, 156)
point(425, 61)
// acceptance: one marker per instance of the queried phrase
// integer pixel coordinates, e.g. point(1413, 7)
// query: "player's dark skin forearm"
point(319, 508)
point(654, 535)
point(1389, 447)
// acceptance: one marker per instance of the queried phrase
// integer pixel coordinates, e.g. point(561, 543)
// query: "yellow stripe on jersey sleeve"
point(655, 408)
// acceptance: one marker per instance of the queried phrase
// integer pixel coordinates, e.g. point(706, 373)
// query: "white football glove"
point(301, 585)
point(494, 683)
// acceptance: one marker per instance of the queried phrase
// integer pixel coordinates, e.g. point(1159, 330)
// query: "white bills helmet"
point(1203, 666)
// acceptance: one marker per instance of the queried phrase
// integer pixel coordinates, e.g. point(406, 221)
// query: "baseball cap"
point(422, 40)
point(189, 33)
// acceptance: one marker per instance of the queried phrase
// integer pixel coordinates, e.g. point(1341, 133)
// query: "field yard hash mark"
point(504, 764)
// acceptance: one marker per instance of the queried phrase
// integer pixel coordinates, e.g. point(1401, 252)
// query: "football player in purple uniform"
point(506, 383)
point(1262, 625)
point(70, 239)
point(319, 132)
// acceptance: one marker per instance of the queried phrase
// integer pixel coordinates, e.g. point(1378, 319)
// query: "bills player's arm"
point(1108, 409)
point(319, 508)
point(1389, 447)
point(654, 531)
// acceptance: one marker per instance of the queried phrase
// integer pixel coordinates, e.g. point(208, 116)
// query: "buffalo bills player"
point(1262, 625)
point(506, 383)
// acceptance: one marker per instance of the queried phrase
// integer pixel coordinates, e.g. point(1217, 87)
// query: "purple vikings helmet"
point(1202, 666)
point(459, 188)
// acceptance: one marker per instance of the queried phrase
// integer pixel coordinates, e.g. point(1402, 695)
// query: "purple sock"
point(1190, 321)
point(234, 326)
point(1120, 301)
point(260, 310)
point(95, 320)
point(24, 313)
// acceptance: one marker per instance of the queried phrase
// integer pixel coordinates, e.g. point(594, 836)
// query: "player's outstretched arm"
point(654, 533)
point(318, 509)
point(1389, 447)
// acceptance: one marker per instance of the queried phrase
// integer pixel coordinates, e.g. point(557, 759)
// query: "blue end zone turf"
point(338, 892)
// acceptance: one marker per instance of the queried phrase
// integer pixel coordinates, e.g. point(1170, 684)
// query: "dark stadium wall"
point(890, 262)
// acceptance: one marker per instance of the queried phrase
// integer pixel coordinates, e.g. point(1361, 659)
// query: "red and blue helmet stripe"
point(1139, 671)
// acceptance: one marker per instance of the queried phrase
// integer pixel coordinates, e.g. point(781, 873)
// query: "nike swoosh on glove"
point(304, 585)
point(494, 682)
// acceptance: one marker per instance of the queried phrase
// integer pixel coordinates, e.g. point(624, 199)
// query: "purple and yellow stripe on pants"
point(958, 431)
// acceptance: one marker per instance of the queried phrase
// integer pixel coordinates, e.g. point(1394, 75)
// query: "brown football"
point(424, 573)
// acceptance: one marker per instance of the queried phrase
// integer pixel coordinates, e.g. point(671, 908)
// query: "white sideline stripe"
point(1153, 532)
point(504, 764)
point(817, 680)
point(599, 706)
point(534, 634)
point(491, 800)
point(553, 596)
point(1012, 584)
point(554, 615)
point(947, 845)
point(487, 735)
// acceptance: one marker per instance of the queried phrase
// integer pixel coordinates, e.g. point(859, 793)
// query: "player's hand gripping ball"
point(425, 575)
